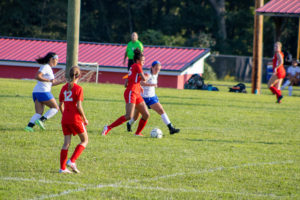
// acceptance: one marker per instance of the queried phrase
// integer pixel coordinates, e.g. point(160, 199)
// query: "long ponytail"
point(74, 74)
point(46, 58)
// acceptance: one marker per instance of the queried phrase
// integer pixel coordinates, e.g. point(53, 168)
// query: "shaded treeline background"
point(225, 26)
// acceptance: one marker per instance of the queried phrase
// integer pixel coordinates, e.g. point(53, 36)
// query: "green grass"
point(231, 146)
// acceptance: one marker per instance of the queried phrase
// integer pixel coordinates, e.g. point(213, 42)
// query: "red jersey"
point(134, 79)
point(275, 60)
point(70, 98)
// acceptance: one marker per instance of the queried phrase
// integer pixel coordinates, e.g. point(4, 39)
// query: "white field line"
point(41, 181)
point(125, 184)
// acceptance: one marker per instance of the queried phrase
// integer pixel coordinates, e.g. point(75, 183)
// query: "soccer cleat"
point(172, 129)
point(66, 171)
point(105, 130)
point(40, 124)
point(129, 127)
point(72, 166)
point(28, 129)
point(139, 134)
point(279, 99)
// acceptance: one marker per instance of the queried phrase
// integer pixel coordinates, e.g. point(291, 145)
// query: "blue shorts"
point(42, 96)
point(150, 100)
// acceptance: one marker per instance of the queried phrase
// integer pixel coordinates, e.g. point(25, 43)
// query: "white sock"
point(290, 90)
point(131, 121)
point(35, 117)
point(285, 84)
point(50, 113)
point(165, 118)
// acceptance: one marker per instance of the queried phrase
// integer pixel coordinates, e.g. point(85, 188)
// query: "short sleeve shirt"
point(70, 98)
point(41, 86)
point(132, 46)
point(293, 70)
point(134, 79)
point(149, 91)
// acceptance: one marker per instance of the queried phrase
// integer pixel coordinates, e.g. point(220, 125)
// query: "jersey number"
point(68, 95)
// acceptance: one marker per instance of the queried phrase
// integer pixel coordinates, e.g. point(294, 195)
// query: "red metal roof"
point(106, 55)
point(281, 8)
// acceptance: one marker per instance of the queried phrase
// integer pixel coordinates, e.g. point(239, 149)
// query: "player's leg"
point(160, 110)
point(142, 108)
point(136, 115)
point(64, 153)
point(39, 109)
point(78, 150)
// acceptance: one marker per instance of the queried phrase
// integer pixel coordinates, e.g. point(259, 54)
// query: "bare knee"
point(146, 115)
point(66, 145)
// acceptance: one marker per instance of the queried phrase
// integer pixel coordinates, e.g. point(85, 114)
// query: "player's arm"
point(39, 77)
point(81, 112)
point(57, 82)
point(61, 107)
point(280, 61)
point(144, 83)
point(126, 83)
point(125, 56)
point(143, 76)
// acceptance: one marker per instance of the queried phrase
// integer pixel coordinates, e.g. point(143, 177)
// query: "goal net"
point(89, 72)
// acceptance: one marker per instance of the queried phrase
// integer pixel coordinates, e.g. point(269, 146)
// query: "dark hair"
point(137, 55)
point(74, 73)
point(45, 59)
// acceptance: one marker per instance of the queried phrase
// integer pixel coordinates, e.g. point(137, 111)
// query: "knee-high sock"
point(165, 118)
point(290, 90)
point(141, 126)
point(50, 113)
point(77, 153)
point(34, 117)
point(275, 91)
point(285, 84)
point(63, 158)
point(131, 121)
point(118, 122)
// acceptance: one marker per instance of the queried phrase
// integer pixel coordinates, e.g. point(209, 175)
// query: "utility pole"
point(72, 34)
point(257, 49)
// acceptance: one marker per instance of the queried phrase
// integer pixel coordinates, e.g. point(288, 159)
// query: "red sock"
point(118, 122)
point(141, 126)
point(63, 158)
point(275, 91)
point(77, 153)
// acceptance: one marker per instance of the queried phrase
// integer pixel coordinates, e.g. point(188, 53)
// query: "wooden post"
point(257, 49)
point(72, 34)
point(298, 48)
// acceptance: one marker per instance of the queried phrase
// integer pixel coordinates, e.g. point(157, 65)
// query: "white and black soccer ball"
point(156, 133)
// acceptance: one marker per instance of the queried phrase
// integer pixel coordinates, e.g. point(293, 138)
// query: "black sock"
point(30, 124)
point(43, 118)
point(170, 126)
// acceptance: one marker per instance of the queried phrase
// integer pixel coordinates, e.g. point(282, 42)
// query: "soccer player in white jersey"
point(293, 77)
point(42, 91)
point(151, 98)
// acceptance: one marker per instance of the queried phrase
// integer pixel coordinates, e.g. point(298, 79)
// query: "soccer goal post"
point(91, 70)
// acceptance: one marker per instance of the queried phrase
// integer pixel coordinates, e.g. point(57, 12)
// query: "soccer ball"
point(156, 133)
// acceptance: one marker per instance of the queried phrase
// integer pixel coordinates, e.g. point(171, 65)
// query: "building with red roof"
point(17, 59)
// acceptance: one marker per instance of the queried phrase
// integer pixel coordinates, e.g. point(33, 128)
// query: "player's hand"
point(86, 122)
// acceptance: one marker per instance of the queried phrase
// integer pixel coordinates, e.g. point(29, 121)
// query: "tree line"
point(225, 26)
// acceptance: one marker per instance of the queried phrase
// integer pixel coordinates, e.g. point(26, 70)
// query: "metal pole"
point(257, 49)
point(72, 34)
point(298, 48)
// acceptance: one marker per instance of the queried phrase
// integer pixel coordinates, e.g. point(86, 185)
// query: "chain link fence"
point(237, 68)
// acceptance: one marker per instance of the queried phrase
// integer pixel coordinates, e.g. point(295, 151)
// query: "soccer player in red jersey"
point(132, 96)
point(278, 72)
point(73, 120)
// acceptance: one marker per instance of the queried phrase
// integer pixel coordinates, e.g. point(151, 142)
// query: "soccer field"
point(231, 146)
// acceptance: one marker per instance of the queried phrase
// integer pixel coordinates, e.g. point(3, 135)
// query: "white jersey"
point(149, 91)
point(48, 74)
point(293, 70)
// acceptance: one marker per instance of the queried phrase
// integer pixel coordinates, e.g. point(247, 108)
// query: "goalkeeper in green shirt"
point(131, 46)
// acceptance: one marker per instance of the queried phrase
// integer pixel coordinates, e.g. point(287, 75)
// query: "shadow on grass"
point(236, 141)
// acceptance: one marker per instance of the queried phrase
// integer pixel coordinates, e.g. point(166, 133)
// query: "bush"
point(209, 73)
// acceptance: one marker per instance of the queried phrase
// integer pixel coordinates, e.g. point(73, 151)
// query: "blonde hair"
point(279, 44)
point(74, 74)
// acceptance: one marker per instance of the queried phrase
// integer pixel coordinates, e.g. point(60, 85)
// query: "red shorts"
point(132, 97)
point(280, 73)
point(69, 129)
